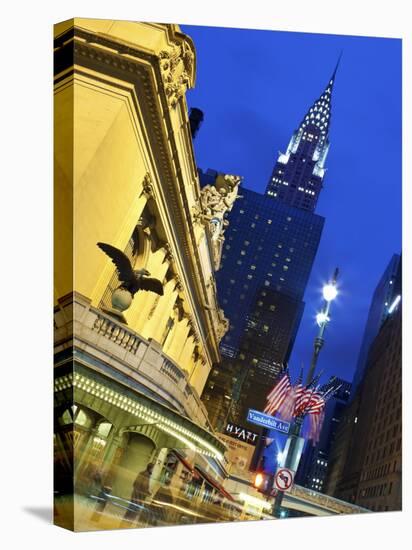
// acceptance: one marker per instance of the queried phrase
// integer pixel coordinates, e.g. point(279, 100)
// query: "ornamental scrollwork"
point(177, 67)
point(223, 326)
point(148, 188)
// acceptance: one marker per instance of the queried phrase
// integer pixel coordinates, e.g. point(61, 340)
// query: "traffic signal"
point(258, 481)
point(263, 482)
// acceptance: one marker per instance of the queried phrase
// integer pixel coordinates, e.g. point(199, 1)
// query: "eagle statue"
point(130, 279)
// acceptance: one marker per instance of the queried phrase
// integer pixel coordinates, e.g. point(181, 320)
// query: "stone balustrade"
point(118, 334)
point(101, 336)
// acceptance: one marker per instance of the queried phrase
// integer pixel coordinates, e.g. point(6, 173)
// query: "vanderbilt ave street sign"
point(262, 419)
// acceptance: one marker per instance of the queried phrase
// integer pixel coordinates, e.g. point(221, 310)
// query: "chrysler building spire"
point(298, 174)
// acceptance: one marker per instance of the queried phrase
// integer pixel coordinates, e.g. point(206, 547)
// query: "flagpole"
point(295, 442)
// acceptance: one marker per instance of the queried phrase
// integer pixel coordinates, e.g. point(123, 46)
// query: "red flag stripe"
point(282, 381)
point(279, 390)
point(277, 395)
point(304, 400)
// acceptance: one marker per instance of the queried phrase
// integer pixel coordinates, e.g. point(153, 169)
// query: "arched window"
point(104, 429)
point(83, 419)
point(66, 418)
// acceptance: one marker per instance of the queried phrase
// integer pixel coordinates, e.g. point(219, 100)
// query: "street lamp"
point(322, 318)
point(329, 292)
point(294, 443)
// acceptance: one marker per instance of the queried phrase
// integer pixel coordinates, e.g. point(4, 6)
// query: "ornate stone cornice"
point(177, 67)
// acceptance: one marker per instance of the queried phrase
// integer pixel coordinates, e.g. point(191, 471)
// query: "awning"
point(186, 464)
point(214, 483)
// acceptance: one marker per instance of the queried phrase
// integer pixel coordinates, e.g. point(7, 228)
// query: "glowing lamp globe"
point(322, 318)
point(330, 292)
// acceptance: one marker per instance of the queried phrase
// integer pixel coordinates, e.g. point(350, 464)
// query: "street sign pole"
point(293, 450)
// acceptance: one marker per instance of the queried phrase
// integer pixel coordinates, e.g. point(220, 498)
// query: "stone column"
point(157, 320)
point(143, 302)
point(176, 340)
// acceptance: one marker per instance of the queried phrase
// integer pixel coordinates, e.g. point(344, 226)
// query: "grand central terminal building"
point(131, 366)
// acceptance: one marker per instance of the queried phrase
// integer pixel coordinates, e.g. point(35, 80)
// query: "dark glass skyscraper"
point(270, 246)
point(365, 458)
point(385, 293)
point(266, 261)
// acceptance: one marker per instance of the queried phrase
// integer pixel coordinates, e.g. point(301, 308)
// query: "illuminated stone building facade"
point(128, 387)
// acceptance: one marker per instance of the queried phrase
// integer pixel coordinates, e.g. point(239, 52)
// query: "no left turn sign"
point(283, 479)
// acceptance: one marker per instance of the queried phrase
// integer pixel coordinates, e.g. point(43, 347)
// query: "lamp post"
point(294, 444)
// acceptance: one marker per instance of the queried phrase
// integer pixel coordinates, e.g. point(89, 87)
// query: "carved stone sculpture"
point(177, 65)
point(131, 281)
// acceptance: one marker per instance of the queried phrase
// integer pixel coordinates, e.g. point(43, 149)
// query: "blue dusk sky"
point(254, 88)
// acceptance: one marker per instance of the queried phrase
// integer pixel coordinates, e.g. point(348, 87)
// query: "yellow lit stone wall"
point(103, 163)
point(63, 188)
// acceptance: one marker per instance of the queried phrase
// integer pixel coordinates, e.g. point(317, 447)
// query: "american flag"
point(287, 408)
point(318, 400)
point(316, 411)
point(315, 426)
point(305, 397)
point(278, 393)
point(299, 393)
point(316, 403)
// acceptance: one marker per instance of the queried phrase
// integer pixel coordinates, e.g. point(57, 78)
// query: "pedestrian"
point(141, 491)
point(96, 481)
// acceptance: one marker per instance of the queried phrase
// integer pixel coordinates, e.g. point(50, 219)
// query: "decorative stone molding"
point(179, 285)
point(197, 213)
point(193, 331)
point(153, 308)
point(179, 310)
point(169, 256)
point(196, 353)
point(177, 67)
point(211, 283)
point(223, 325)
point(148, 188)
